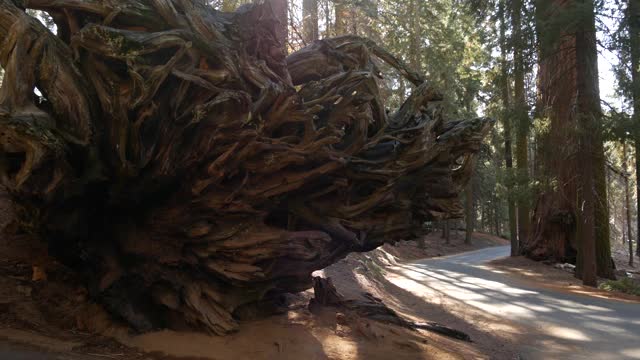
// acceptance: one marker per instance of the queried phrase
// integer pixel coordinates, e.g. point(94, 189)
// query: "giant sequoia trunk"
point(192, 172)
point(571, 215)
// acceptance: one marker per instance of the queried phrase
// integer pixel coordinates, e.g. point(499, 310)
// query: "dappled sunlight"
point(566, 333)
point(632, 353)
point(481, 295)
point(559, 318)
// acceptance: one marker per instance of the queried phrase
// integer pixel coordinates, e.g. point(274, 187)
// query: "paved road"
point(567, 326)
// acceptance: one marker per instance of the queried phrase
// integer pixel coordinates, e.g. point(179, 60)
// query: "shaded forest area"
point(555, 175)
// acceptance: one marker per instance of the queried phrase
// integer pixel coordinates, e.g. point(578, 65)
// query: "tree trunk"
point(280, 10)
point(593, 212)
point(572, 214)
point(447, 231)
point(554, 234)
point(506, 120)
point(414, 37)
point(343, 15)
point(633, 23)
point(194, 174)
point(627, 201)
point(309, 21)
point(470, 216)
point(522, 123)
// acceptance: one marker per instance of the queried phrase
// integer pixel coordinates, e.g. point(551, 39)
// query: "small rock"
point(341, 318)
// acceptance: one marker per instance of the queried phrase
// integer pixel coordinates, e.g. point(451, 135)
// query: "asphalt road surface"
point(564, 325)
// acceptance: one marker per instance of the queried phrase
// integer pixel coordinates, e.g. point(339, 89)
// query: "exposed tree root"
point(188, 169)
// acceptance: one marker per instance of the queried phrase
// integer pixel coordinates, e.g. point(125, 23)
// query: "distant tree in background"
point(505, 116)
point(310, 20)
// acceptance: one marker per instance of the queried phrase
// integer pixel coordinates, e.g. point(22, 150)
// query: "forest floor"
point(560, 278)
point(548, 276)
point(45, 313)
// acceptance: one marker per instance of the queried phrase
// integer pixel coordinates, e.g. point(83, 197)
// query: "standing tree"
point(194, 174)
point(343, 14)
point(632, 21)
point(627, 201)
point(470, 214)
point(309, 21)
point(521, 117)
point(571, 214)
point(506, 122)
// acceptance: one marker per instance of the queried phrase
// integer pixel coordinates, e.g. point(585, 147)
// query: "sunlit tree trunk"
point(343, 17)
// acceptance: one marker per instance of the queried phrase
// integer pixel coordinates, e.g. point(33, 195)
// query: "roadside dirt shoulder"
point(548, 276)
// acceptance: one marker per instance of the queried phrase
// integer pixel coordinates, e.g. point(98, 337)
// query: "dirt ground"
point(620, 255)
point(546, 275)
point(44, 309)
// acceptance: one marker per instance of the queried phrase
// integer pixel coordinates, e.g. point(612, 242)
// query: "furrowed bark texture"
point(193, 172)
point(571, 216)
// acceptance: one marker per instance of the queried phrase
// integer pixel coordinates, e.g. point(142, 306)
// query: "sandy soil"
point(44, 309)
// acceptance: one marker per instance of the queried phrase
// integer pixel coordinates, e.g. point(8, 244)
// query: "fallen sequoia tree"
point(191, 172)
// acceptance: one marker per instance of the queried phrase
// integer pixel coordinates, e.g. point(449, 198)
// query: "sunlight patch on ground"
point(363, 281)
point(632, 353)
point(561, 324)
point(480, 293)
point(565, 332)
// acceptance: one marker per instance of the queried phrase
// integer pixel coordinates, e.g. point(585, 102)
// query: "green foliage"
point(446, 39)
point(624, 285)
point(619, 41)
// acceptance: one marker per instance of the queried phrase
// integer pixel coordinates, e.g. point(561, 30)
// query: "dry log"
point(188, 169)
